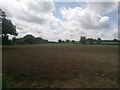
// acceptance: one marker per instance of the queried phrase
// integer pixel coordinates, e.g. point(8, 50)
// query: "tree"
point(73, 41)
point(90, 40)
point(29, 39)
point(99, 41)
point(7, 28)
point(115, 40)
point(83, 39)
point(40, 40)
point(59, 41)
point(2, 13)
point(67, 41)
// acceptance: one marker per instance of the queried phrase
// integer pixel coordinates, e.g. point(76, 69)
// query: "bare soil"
point(61, 66)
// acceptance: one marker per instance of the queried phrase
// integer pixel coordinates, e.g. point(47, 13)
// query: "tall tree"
point(30, 39)
point(59, 41)
point(90, 40)
point(83, 39)
point(67, 41)
point(99, 41)
point(7, 28)
point(73, 41)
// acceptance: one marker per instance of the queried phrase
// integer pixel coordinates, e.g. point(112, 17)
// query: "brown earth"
point(61, 66)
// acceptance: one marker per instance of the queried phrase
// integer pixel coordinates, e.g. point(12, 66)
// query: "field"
point(60, 66)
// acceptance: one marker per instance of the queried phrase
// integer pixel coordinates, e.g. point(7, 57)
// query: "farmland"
point(60, 66)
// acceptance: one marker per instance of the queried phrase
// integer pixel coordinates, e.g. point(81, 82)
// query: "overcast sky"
point(63, 20)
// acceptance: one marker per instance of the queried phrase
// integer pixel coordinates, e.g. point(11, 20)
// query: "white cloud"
point(37, 18)
point(102, 7)
point(44, 7)
point(88, 23)
point(85, 18)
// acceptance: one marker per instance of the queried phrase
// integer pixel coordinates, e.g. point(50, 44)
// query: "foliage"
point(90, 40)
point(73, 41)
point(83, 39)
point(7, 28)
point(67, 41)
point(29, 39)
point(59, 41)
point(99, 41)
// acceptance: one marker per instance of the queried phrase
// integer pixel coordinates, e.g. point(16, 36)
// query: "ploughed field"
point(60, 66)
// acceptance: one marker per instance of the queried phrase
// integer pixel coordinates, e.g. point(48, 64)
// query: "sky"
point(63, 20)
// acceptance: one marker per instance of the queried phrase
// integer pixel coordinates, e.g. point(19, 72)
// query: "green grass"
point(61, 65)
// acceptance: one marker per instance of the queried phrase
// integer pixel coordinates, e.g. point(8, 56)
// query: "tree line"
point(8, 28)
point(29, 39)
point(85, 40)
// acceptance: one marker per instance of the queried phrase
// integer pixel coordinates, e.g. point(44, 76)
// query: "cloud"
point(84, 21)
point(44, 7)
point(37, 18)
point(33, 11)
point(85, 18)
point(102, 7)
